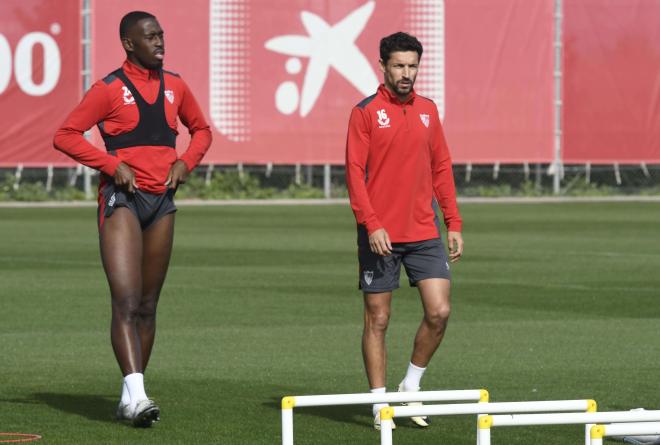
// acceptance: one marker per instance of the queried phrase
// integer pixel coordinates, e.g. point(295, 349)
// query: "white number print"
point(23, 63)
point(128, 96)
point(383, 120)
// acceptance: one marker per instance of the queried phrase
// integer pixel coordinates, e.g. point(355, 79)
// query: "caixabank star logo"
point(302, 65)
point(326, 46)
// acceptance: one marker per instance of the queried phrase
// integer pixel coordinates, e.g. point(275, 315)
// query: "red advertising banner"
point(40, 77)
point(499, 68)
point(611, 81)
point(278, 79)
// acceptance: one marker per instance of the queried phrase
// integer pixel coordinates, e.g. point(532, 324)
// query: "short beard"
point(151, 66)
point(156, 66)
point(399, 89)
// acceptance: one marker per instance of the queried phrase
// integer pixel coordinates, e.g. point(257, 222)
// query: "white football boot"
point(145, 413)
point(124, 411)
point(421, 422)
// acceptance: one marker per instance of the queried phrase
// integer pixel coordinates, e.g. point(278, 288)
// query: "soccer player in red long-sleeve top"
point(397, 162)
point(136, 109)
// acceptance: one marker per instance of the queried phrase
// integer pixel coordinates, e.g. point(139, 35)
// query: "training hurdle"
point(480, 409)
point(623, 429)
point(290, 402)
point(485, 423)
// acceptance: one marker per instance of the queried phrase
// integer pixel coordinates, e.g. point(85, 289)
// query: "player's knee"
point(147, 310)
point(378, 320)
point(438, 316)
point(126, 309)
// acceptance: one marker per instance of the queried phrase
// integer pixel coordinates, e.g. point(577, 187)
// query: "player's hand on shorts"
point(455, 243)
point(379, 242)
point(178, 174)
point(125, 178)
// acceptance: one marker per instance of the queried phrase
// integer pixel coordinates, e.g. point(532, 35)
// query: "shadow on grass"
point(354, 414)
point(92, 407)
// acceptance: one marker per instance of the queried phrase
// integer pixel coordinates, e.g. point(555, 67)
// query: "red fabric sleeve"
point(357, 154)
point(443, 177)
point(69, 137)
point(192, 117)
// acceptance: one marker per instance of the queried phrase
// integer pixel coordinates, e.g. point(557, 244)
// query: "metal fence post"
point(556, 185)
point(86, 16)
point(327, 181)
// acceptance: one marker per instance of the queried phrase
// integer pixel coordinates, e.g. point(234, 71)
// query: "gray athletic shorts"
point(422, 260)
point(147, 207)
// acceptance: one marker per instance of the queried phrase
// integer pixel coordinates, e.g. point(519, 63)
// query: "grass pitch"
point(551, 301)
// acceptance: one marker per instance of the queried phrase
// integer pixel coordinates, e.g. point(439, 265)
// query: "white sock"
point(135, 385)
point(378, 406)
point(125, 396)
point(413, 377)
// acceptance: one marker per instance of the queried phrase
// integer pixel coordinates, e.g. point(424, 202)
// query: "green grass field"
point(551, 301)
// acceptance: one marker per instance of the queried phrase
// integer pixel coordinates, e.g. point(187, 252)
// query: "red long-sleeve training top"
point(109, 102)
point(396, 160)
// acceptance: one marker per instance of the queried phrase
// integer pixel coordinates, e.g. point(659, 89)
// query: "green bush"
point(301, 191)
point(5, 188)
point(579, 187)
point(68, 193)
point(487, 190)
point(36, 191)
point(229, 184)
point(651, 191)
point(225, 185)
point(575, 187)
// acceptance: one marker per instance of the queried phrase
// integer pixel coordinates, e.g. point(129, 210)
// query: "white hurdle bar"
point(623, 429)
point(485, 423)
point(289, 402)
point(480, 409)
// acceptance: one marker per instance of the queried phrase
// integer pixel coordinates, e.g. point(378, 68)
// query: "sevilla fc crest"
point(368, 276)
point(425, 119)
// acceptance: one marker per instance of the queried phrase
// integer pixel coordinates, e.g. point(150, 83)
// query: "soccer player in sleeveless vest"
point(397, 167)
point(136, 109)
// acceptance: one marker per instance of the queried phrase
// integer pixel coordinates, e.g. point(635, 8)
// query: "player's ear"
point(127, 43)
point(382, 65)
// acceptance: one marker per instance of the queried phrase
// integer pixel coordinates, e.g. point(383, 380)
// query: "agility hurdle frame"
point(480, 409)
point(622, 429)
point(485, 423)
point(290, 402)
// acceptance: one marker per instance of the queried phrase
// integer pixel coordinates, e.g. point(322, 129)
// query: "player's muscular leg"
point(376, 319)
point(437, 306)
point(121, 253)
point(157, 248)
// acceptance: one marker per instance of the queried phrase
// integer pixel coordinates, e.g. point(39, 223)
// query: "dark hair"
point(399, 41)
point(130, 19)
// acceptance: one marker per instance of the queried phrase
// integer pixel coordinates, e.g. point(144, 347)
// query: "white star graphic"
point(329, 46)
